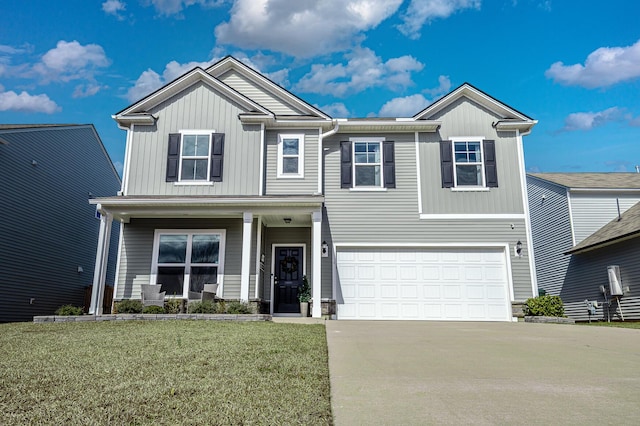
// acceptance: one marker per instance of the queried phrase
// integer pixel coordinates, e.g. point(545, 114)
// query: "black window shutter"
point(345, 164)
point(490, 168)
point(217, 156)
point(173, 157)
point(388, 157)
point(446, 164)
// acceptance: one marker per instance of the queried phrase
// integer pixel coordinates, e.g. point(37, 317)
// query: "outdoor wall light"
point(80, 270)
point(518, 249)
point(325, 249)
point(287, 220)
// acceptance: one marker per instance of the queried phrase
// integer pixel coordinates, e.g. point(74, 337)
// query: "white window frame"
point(478, 139)
point(379, 141)
point(282, 156)
point(187, 265)
point(184, 133)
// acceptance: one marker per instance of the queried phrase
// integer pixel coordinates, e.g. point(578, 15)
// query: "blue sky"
point(572, 65)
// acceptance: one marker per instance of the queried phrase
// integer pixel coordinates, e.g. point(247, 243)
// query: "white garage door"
point(423, 284)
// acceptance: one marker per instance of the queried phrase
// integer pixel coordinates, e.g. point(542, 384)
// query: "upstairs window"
point(367, 163)
point(195, 157)
point(290, 156)
point(468, 163)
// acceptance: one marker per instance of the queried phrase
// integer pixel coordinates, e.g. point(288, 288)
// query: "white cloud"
point(280, 77)
point(604, 67)
point(302, 28)
point(422, 12)
point(86, 90)
point(590, 120)
point(150, 80)
point(336, 110)
point(444, 86)
point(71, 61)
point(363, 70)
point(407, 106)
point(174, 7)
point(114, 7)
point(24, 102)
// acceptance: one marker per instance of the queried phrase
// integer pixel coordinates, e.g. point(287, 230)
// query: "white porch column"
point(247, 218)
point(316, 259)
point(102, 257)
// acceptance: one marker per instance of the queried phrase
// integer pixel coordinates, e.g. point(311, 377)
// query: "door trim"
point(274, 247)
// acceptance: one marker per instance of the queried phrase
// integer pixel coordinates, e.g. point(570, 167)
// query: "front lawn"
point(164, 372)
point(620, 324)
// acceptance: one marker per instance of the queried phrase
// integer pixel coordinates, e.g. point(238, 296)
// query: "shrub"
point(238, 308)
point(67, 310)
point(305, 291)
point(173, 306)
point(128, 307)
point(153, 310)
point(221, 307)
point(548, 306)
point(204, 307)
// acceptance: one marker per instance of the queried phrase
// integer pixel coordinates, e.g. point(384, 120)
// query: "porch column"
point(316, 259)
point(102, 257)
point(247, 218)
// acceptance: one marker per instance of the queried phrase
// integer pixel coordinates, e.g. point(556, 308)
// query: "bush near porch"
point(164, 372)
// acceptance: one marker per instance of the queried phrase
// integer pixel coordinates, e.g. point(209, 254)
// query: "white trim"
point(118, 260)
point(245, 274)
point(573, 231)
point(206, 180)
point(263, 142)
point(367, 189)
point(465, 216)
point(316, 262)
point(527, 216)
point(418, 172)
point(366, 139)
point(320, 152)
point(378, 140)
point(153, 275)
point(127, 161)
point(258, 273)
point(425, 245)
point(273, 267)
point(599, 189)
point(281, 156)
point(470, 188)
point(467, 139)
point(193, 183)
point(101, 262)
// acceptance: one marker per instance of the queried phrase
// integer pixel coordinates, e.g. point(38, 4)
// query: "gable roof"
point(511, 118)
point(619, 229)
point(230, 63)
point(613, 180)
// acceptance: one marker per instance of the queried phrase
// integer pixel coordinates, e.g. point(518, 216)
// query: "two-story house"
point(231, 179)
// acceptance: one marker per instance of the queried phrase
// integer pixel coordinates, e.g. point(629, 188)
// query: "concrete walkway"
point(405, 373)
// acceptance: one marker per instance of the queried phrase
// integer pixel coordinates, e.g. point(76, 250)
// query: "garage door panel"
point(451, 284)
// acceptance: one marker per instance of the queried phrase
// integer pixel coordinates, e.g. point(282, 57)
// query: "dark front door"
point(287, 279)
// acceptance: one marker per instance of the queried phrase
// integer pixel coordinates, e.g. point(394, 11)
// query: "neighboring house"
point(229, 178)
point(577, 234)
point(48, 228)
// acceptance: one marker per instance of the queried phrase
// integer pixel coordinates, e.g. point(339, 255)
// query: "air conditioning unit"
point(615, 282)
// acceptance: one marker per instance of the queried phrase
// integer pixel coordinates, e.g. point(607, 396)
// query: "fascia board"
point(230, 62)
point(468, 91)
point(183, 82)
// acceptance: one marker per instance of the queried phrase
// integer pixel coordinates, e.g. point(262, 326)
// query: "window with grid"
point(467, 157)
point(194, 157)
point(367, 164)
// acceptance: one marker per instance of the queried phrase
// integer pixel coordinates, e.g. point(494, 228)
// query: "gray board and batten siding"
point(288, 186)
point(391, 216)
point(467, 118)
point(197, 108)
point(551, 232)
point(48, 228)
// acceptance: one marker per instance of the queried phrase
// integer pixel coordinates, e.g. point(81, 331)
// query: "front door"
point(287, 279)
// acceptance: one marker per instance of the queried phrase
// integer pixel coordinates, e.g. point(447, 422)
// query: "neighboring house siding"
point(288, 186)
point(256, 93)
point(551, 229)
point(48, 228)
point(466, 118)
point(284, 236)
point(592, 210)
point(137, 253)
point(588, 271)
point(197, 108)
point(391, 217)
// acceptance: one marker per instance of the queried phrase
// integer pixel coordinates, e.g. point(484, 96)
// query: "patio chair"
point(151, 295)
point(208, 293)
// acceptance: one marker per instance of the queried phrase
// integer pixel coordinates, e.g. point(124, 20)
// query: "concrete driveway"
point(402, 373)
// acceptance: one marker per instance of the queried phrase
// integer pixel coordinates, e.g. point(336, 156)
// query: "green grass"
point(620, 324)
point(164, 372)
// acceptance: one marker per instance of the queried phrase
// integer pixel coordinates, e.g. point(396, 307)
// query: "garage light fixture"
point(518, 249)
point(287, 220)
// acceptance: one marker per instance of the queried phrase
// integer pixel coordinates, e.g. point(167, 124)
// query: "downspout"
point(127, 155)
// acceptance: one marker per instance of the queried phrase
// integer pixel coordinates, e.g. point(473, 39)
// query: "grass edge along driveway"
point(164, 372)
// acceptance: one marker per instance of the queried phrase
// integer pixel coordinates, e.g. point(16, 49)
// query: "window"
point(367, 164)
point(468, 163)
point(187, 260)
point(290, 156)
point(195, 157)
point(467, 156)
